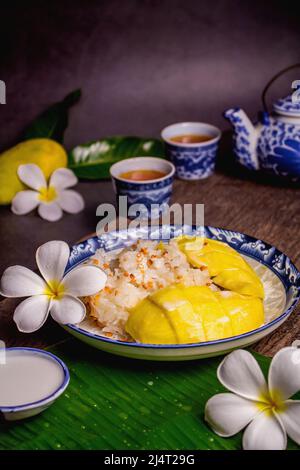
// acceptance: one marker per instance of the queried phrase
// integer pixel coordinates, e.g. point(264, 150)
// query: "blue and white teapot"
point(273, 143)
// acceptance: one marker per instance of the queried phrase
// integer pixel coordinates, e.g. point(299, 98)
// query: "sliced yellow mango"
point(180, 313)
point(205, 245)
point(215, 320)
point(190, 243)
point(212, 253)
point(216, 245)
point(216, 323)
point(226, 266)
point(198, 294)
point(193, 314)
point(246, 313)
point(147, 323)
point(241, 281)
point(216, 261)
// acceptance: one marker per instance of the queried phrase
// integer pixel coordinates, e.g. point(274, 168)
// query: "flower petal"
point(227, 413)
point(290, 418)
point(32, 313)
point(240, 373)
point(68, 309)
point(284, 373)
point(63, 178)
point(24, 202)
point(84, 280)
point(52, 259)
point(18, 281)
point(71, 201)
point(51, 212)
point(265, 432)
point(32, 176)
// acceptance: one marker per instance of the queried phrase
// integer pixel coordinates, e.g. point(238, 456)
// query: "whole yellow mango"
point(46, 153)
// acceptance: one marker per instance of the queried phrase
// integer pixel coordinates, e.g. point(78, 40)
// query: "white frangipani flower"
point(53, 292)
point(267, 410)
point(50, 199)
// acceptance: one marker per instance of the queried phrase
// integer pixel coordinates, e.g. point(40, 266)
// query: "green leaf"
point(94, 159)
point(53, 122)
point(118, 403)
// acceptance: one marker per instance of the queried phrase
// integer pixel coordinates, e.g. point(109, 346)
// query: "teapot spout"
point(245, 138)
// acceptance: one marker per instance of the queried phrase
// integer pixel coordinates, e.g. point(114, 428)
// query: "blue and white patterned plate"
point(282, 272)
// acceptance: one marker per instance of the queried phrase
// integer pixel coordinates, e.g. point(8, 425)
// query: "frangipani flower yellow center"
point(264, 409)
point(271, 402)
point(47, 194)
point(55, 289)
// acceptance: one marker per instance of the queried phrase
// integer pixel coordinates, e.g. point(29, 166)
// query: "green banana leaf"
point(53, 122)
point(94, 159)
point(117, 403)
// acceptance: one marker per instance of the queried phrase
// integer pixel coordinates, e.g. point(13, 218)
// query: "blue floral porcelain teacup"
point(193, 161)
point(151, 197)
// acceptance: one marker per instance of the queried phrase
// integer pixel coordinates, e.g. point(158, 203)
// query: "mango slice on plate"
point(241, 281)
point(215, 320)
point(147, 323)
point(216, 245)
point(165, 317)
point(205, 245)
point(216, 261)
point(226, 266)
point(246, 313)
point(181, 315)
point(198, 294)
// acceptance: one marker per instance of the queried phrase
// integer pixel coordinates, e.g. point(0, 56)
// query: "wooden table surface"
point(233, 199)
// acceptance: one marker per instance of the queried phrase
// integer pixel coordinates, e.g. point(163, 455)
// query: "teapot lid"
point(288, 106)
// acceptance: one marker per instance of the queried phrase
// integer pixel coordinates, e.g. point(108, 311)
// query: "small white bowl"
point(32, 379)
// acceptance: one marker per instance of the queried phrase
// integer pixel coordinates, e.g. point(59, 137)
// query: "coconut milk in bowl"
point(30, 381)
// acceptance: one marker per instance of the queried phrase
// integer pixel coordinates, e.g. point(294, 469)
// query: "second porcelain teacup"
point(193, 159)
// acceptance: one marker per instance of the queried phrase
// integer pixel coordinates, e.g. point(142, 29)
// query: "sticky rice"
point(133, 274)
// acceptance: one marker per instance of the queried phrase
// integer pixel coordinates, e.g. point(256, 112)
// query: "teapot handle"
point(271, 81)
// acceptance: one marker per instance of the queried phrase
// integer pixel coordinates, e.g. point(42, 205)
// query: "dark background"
point(141, 64)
